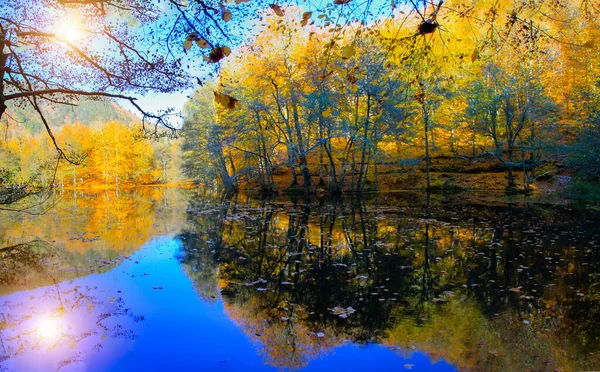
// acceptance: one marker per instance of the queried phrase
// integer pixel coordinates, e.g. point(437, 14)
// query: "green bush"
point(581, 189)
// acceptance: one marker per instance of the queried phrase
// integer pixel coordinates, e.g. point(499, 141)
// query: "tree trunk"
point(427, 159)
point(363, 159)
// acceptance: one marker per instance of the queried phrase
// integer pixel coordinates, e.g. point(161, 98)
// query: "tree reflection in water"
point(482, 286)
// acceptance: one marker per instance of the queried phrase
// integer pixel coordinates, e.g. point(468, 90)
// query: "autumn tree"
point(510, 108)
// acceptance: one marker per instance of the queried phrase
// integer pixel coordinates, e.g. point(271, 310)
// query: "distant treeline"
point(102, 152)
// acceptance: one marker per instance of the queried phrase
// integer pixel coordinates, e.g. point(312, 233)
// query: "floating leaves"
point(305, 17)
point(341, 312)
point(225, 100)
point(277, 9)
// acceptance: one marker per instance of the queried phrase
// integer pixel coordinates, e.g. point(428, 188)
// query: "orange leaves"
point(277, 9)
point(589, 44)
point(226, 15)
point(191, 38)
point(187, 44)
point(202, 43)
point(225, 100)
point(217, 54)
point(305, 17)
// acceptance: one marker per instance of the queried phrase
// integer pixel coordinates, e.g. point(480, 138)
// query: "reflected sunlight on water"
point(48, 328)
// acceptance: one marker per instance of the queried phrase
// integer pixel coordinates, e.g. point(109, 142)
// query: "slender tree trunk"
point(3, 59)
point(363, 159)
point(427, 158)
point(375, 141)
point(300, 138)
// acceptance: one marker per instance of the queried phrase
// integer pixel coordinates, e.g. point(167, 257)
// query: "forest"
point(102, 139)
point(389, 105)
point(345, 98)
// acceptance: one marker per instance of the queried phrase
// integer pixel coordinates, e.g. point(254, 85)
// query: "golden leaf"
point(225, 100)
point(589, 44)
point(326, 113)
point(475, 55)
point(277, 9)
point(348, 51)
point(187, 45)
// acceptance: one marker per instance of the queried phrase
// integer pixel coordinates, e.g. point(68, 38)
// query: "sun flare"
point(69, 32)
point(48, 329)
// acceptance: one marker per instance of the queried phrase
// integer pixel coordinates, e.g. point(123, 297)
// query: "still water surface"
point(161, 279)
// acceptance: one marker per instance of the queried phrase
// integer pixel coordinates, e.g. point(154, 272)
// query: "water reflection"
point(395, 281)
point(83, 234)
point(487, 287)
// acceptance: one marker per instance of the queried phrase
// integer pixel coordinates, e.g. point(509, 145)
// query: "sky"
point(243, 26)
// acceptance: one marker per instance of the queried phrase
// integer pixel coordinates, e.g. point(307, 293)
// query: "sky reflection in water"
point(100, 329)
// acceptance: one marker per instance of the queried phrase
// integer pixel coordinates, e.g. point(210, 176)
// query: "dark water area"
point(164, 279)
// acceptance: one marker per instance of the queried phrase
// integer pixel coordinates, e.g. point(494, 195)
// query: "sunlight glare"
point(48, 329)
point(69, 32)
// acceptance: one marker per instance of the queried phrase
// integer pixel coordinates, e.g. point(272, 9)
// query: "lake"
point(166, 279)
